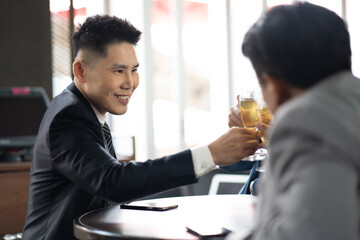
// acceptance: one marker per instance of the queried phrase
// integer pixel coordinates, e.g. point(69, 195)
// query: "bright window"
point(191, 64)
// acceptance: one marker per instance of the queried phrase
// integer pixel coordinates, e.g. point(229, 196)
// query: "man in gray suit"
point(310, 190)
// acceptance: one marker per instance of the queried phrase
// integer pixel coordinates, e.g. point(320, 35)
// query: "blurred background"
point(191, 65)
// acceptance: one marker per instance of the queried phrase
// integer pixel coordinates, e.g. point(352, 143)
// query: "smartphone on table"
point(148, 206)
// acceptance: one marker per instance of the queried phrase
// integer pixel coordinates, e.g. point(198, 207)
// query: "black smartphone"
point(148, 207)
point(206, 231)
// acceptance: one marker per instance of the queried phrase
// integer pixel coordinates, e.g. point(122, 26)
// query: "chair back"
point(227, 183)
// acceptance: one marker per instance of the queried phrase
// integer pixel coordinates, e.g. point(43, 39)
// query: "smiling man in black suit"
point(74, 169)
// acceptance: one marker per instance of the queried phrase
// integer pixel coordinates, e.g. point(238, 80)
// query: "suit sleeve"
point(78, 153)
point(314, 192)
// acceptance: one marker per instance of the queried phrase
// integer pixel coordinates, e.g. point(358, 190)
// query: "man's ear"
point(277, 91)
point(79, 69)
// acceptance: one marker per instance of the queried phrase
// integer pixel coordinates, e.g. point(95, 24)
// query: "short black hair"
point(101, 30)
point(299, 43)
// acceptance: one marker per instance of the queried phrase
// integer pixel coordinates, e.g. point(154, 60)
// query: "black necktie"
point(108, 138)
point(110, 146)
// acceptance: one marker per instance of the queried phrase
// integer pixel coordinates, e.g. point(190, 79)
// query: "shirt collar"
point(100, 117)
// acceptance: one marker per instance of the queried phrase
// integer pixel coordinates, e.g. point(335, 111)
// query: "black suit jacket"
point(72, 172)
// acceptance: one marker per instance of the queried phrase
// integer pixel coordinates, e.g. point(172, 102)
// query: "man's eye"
point(134, 70)
point(119, 71)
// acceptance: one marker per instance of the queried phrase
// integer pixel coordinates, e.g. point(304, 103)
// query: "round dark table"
point(234, 212)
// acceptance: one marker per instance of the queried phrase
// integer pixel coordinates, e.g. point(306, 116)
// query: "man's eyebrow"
point(123, 66)
point(118, 65)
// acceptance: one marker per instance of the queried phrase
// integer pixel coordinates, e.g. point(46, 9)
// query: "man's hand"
point(235, 116)
point(262, 127)
point(235, 119)
point(234, 145)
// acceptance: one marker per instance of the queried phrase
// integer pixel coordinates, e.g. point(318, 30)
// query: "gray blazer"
point(311, 188)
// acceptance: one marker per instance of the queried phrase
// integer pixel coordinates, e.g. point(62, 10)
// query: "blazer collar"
point(72, 88)
point(76, 91)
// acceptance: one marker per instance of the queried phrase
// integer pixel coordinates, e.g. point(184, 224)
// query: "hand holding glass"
point(251, 113)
